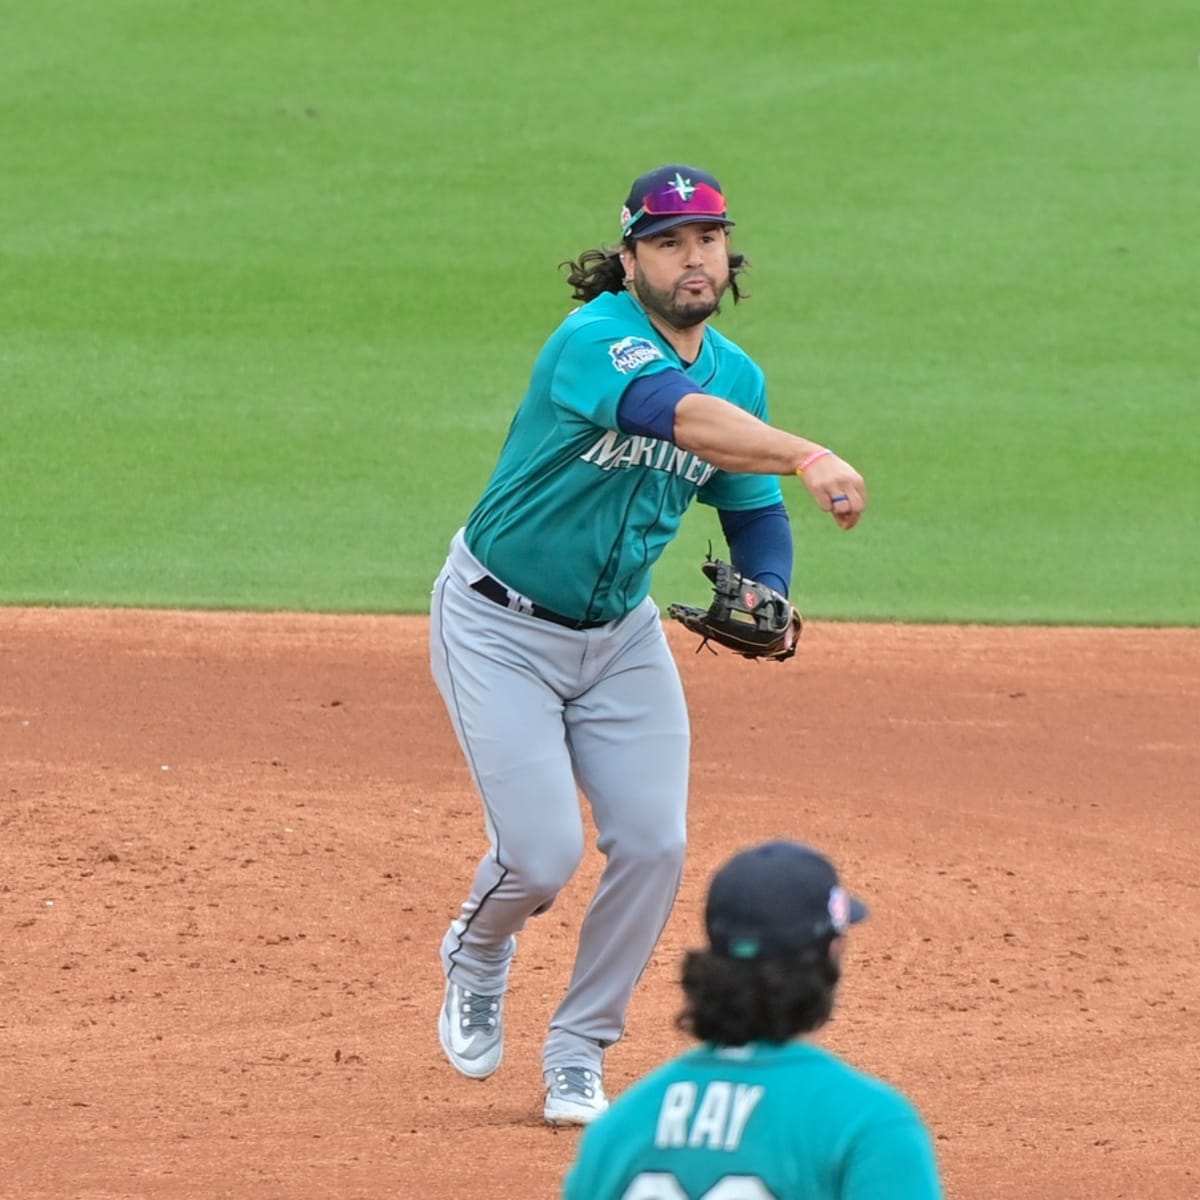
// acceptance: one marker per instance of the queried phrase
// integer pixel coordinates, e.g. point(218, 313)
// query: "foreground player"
point(753, 1114)
point(545, 645)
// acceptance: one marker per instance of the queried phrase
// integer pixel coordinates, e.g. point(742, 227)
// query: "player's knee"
point(662, 846)
point(672, 849)
point(545, 874)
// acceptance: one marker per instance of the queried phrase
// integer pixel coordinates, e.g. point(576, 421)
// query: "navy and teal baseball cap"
point(774, 899)
point(669, 196)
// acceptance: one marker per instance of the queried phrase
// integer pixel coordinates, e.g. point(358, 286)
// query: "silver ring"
point(835, 499)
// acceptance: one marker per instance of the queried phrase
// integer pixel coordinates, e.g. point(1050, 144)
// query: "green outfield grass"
point(274, 275)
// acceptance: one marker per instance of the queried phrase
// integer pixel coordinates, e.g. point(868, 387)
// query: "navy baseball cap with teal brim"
point(775, 899)
point(669, 196)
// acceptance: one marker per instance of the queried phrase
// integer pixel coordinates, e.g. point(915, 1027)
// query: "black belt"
point(493, 589)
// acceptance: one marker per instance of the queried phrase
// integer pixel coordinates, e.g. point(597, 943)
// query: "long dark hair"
point(597, 271)
point(735, 1001)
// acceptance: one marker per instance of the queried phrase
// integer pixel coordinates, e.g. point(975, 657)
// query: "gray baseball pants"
point(544, 712)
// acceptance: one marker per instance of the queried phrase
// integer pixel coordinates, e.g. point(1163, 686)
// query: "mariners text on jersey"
point(656, 453)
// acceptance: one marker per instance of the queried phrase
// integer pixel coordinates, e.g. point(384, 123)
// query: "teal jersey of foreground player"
point(761, 1122)
point(576, 512)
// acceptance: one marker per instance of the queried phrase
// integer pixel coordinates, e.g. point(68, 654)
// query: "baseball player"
point(758, 1112)
point(547, 650)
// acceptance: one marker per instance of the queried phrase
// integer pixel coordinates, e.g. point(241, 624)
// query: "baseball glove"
point(745, 616)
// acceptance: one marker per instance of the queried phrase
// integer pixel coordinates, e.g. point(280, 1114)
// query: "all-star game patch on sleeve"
point(597, 361)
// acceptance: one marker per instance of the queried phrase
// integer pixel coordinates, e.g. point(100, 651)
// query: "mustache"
point(692, 276)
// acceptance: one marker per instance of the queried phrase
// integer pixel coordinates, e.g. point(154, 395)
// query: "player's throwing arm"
point(735, 440)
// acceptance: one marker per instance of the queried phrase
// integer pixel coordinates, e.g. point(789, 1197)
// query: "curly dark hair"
point(734, 1001)
point(597, 271)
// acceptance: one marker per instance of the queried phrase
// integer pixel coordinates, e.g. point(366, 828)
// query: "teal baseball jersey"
point(760, 1122)
point(576, 513)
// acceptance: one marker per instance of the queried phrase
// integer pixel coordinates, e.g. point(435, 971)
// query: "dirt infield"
point(231, 845)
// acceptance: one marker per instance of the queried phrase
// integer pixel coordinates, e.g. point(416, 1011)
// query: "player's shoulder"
point(859, 1090)
point(609, 310)
point(730, 357)
point(723, 344)
point(609, 330)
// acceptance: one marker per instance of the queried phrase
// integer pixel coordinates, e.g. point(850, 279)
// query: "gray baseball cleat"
point(574, 1096)
point(471, 1030)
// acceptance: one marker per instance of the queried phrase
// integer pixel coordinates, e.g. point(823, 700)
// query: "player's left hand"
point(744, 615)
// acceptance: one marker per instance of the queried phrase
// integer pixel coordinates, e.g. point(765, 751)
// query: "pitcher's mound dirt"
point(231, 845)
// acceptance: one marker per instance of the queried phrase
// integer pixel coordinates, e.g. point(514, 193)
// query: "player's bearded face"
point(681, 276)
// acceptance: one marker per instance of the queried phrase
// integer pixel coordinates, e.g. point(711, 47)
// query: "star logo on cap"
point(683, 187)
point(839, 909)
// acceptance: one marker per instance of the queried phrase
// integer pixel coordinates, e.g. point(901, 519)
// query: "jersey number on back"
point(659, 1185)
